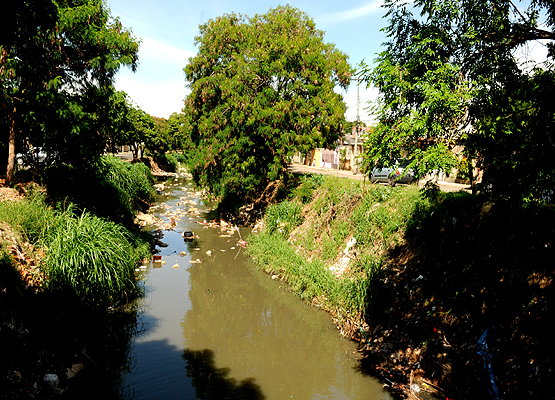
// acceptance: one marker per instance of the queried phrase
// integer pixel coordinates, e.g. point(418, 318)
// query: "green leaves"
point(262, 88)
point(449, 77)
point(56, 74)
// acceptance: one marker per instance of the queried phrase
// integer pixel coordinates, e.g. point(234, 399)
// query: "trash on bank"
point(51, 378)
point(188, 235)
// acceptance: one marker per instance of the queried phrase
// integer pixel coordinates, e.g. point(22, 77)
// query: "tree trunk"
point(471, 175)
point(11, 148)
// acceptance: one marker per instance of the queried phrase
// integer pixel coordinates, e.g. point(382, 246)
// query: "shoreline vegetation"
point(68, 270)
point(416, 276)
point(431, 284)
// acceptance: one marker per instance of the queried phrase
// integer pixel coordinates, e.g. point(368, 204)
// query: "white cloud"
point(347, 15)
point(158, 86)
point(157, 98)
point(152, 49)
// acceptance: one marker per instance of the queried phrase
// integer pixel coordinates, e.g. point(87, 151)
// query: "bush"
point(283, 217)
point(169, 162)
point(112, 188)
point(86, 258)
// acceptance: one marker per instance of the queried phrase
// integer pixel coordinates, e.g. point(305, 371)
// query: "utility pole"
point(354, 166)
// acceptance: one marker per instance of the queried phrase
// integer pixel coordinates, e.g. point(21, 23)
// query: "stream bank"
point(217, 327)
point(426, 283)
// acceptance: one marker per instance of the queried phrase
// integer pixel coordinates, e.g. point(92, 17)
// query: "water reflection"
point(225, 330)
point(212, 383)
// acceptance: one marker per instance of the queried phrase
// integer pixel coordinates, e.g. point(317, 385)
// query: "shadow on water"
point(212, 383)
point(187, 374)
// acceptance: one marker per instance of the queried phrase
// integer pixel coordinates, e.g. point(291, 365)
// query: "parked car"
point(393, 175)
point(34, 155)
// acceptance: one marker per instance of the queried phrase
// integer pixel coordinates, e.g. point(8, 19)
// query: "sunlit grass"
point(302, 248)
point(85, 257)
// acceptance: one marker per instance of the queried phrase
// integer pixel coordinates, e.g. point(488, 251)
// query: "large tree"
point(449, 75)
point(57, 62)
point(262, 88)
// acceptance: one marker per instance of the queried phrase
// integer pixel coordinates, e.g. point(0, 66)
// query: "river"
point(215, 327)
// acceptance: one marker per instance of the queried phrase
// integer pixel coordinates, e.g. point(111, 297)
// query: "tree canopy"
point(450, 75)
point(57, 63)
point(262, 88)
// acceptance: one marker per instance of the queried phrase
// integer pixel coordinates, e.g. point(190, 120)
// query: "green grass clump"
point(85, 257)
point(110, 188)
point(283, 217)
point(92, 258)
point(131, 183)
point(304, 191)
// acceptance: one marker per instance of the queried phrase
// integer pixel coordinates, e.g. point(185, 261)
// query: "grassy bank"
point(110, 188)
point(418, 277)
point(65, 267)
point(328, 240)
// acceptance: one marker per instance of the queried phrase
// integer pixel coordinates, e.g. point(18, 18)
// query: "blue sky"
point(167, 29)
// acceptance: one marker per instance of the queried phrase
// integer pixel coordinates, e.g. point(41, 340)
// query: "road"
point(306, 169)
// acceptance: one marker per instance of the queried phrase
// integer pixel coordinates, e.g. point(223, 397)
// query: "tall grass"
point(283, 217)
point(132, 183)
point(302, 249)
point(91, 258)
point(110, 188)
point(86, 258)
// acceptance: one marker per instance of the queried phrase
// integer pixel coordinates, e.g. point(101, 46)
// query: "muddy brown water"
point(221, 329)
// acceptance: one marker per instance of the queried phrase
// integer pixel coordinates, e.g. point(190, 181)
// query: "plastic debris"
point(483, 351)
point(51, 378)
point(350, 244)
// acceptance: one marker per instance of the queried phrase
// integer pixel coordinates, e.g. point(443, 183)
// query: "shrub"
point(91, 258)
point(168, 161)
point(283, 217)
point(309, 183)
point(86, 258)
point(112, 188)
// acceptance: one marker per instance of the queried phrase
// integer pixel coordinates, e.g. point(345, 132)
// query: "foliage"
point(178, 133)
point(283, 217)
point(112, 188)
point(450, 76)
point(168, 162)
point(262, 88)
point(431, 191)
point(463, 169)
point(85, 257)
point(338, 211)
point(56, 71)
point(92, 258)
point(305, 189)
